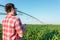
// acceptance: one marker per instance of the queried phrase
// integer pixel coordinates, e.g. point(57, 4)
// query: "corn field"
point(40, 32)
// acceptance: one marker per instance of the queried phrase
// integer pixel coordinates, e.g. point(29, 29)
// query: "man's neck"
point(10, 13)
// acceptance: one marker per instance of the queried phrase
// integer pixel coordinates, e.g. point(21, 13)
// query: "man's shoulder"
point(15, 18)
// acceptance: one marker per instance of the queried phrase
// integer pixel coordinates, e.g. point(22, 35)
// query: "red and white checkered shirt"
point(11, 26)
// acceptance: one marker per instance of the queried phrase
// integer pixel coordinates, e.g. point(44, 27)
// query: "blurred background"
point(47, 11)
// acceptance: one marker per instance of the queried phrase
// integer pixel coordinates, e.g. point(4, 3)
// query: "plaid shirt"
point(11, 27)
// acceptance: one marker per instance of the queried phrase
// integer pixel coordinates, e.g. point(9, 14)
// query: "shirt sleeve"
point(18, 26)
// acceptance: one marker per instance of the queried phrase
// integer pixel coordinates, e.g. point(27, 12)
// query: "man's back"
point(10, 28)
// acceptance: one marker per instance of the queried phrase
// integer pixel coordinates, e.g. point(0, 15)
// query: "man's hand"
point(24, 26)
point(21, 34)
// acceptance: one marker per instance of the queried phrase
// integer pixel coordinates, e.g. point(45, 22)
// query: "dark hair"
point(8, 7)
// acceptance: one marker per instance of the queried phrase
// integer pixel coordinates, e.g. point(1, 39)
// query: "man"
point(11, 25)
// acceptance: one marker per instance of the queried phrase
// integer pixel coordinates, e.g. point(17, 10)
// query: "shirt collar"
point(9, 15)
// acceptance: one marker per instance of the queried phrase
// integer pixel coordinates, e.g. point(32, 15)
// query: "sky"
point(48, 11)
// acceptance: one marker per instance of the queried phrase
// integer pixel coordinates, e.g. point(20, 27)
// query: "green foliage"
point(41, 32)
point(53, 35)
point(0, 32)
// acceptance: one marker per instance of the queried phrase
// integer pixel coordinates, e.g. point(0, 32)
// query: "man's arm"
point(19, 28)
